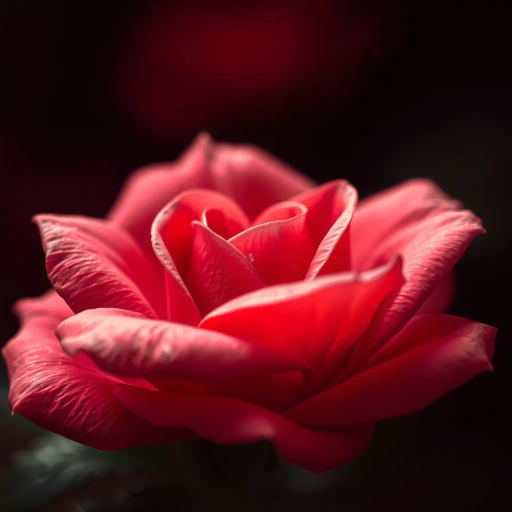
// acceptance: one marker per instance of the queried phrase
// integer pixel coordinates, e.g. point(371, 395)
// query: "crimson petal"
point(278, 244)
point(332, 310)
point(230, 421)
point(92, 263)
point(217, 271)
point(431, 356)
point(126, 343)
point(72, 397)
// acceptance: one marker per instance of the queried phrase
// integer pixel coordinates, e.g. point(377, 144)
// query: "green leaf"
point(56, 465)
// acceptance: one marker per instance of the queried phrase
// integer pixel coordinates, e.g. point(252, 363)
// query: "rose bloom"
point(228, 297)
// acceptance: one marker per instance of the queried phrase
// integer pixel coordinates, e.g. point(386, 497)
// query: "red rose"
point(273, 309)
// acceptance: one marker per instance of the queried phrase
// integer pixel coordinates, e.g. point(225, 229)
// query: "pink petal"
point(93, 263)
point(254, 178)
point(330, 209)
point(382, 215)
point(150, 188)
point(250, 176)
point(431, 237)
point(217, 272)
point(320, 321)
point(230, 421)
point(50, 303)
point(278, 245)
point(72, 397)
point(126, 343)
point(431, 356)
point(172, 237)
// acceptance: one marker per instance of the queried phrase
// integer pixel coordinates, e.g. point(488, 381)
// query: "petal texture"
point(92, 263)
point(126, 343)
point(432, 355)
point(333, 311)
point(229, 421)
point(72, 397)
point(417, 221)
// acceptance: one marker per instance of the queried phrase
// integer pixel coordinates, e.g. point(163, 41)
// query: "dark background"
point(430, 96)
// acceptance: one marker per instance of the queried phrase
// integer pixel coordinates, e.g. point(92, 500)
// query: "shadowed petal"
point(72, 397)
point(430, 249)
point(432, 355)
point(230, 421)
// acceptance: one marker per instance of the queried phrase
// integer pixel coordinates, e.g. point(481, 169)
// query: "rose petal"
point(50, 303)
point(280, 249)
point(150, 188)
point(254, 178)
point(93, 263)
point(320, 320)
point(430, 249)
point(330, 209)
point(172, 237)
point(230, 421)
point(431, 356)
point(382, 215)
point(72, 397)
point(126, 343)
point(217, 271)
point(249, 175)
point(440, 300)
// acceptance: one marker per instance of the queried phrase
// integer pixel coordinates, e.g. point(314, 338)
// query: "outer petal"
point(431, 356)
point(172, 236)
point(431, 237)
point(127, 344)
point(72, 397)
point(92, 263)
point(250, 176)
point(231, 421)
point(150, 188)
point(254, 178)
point(278, 245)
point(330, 209)
point(50, 303)
point(382, 215)
point(332, 311)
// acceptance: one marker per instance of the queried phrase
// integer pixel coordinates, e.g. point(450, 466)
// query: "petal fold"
point(419, 222)
point(93, 263)
point(431, 356)
point(72, 397)
point(330, 209)
point(230, 421)
point(172, 236)
point(278, 244)
point(217, 271)
point(332, 310)
point(125, 343)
